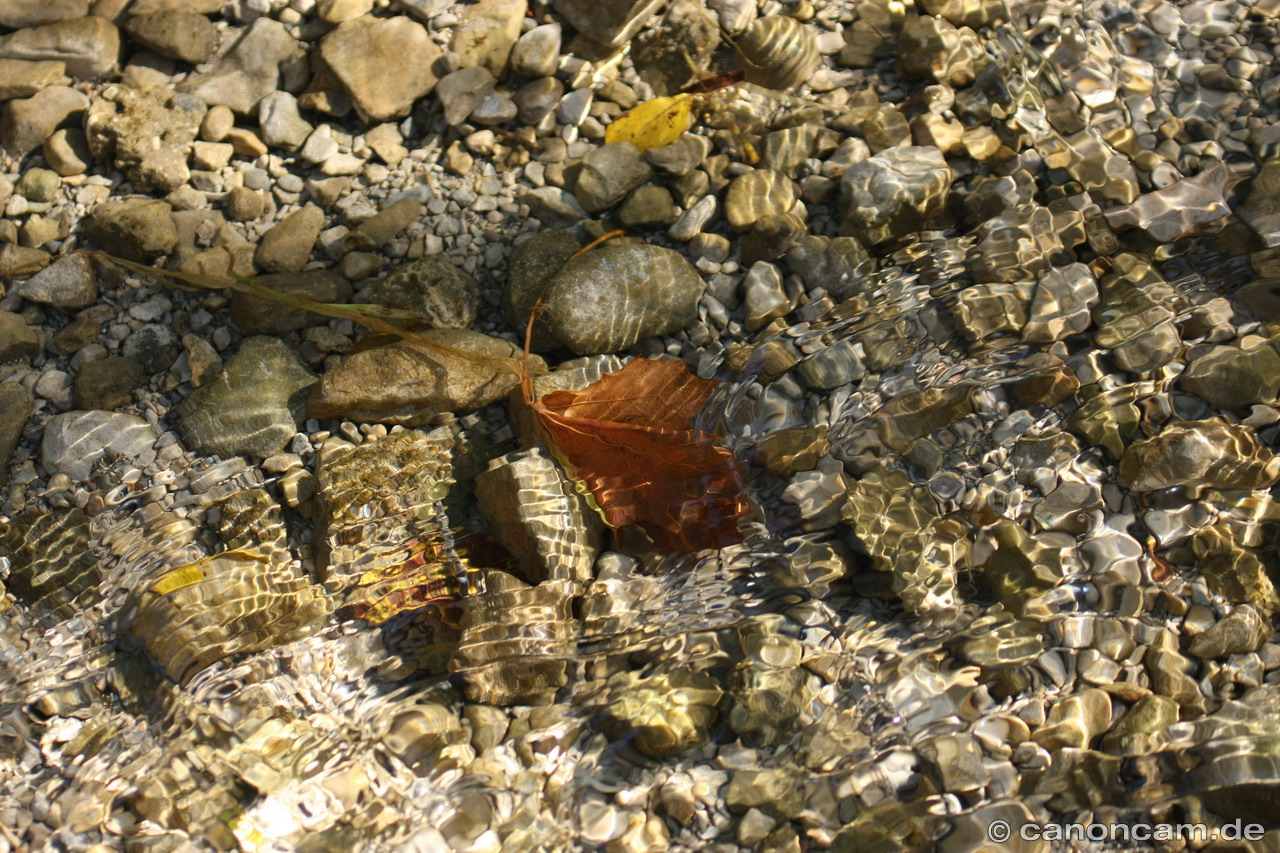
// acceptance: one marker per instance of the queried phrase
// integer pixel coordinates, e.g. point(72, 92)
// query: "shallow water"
point(950, 607)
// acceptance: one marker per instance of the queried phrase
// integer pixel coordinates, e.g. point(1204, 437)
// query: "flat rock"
point(281, 124)
point(1191, 206)
point(758, 194)
point(17, 339)
point(255, 405)
point(246, 73)
point(147, 134)
point(553, 206)
point(260, 315)
point(154, 346)
point(89, 46)
point(25, 124)
point(608, 173)
point(177, 34)
point(461, 91)
point(487, 32)
point(139, 229)
point(357, 52)
point(1200, 453)
point(1234, 379)
point(20, 14)
point(20, 78)
point(447, 296)
point(609, 298)
point(16, 406)
point(69, 283)
point(893, 193)
point(107, 383)
point(74, 441)
point(287, 246)
point(406, 384)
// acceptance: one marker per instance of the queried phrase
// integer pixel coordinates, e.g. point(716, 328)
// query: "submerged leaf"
point(628, 439)
point(652, 124)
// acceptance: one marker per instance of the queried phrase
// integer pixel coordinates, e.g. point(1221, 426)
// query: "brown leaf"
point(628, 439)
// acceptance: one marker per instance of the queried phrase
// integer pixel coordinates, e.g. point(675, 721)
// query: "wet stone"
point(75, 441)
point(834, 264)
point(668, 714)
point(445, 295)
point(608, 299)
point(532, 263)
point(536, 52)
point(1016, 244)
point(894, 192)
point(1200, 453)
point(16, 405)
point(758, 193)
point(771, 237)
point(253, 407)
point(51, 559)
point(107, 383)
point(411, 385)
point(90, 46)
point(680, 157)
point(1061, 304)
point(1242, 630)
point(648, 207)
point(69, 284)
point(539, 517)
point(1234, 379)
point(1075, 721)
point(260, 315)
point(22, 79)
point(153, 346)
point(229, 604)
point(1135, 733)
point(417, 734)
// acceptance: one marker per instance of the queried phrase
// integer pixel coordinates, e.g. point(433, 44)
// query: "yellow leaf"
point(192, 573)
point(653, 124)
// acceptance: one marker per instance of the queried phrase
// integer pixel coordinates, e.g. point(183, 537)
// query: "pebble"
point(608, 173)
point(356, 51)
point(406, 384)
point(18, 339)
point(462, 91)
point(67, 152)
point(253, 407)
point(281, 124)
point(537, 52)
point(288, 245)
point(69, 284)
point(445, 296)
point(26, 123)
point(247, 72)
point(259, 315)
point(137, 229)
point(178, 34)
point(88, 46)
point(73, 442)
point(20, 78)
point(217, 123)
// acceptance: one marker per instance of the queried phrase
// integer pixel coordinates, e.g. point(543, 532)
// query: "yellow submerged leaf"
point(184, 576)
point(653, 124)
